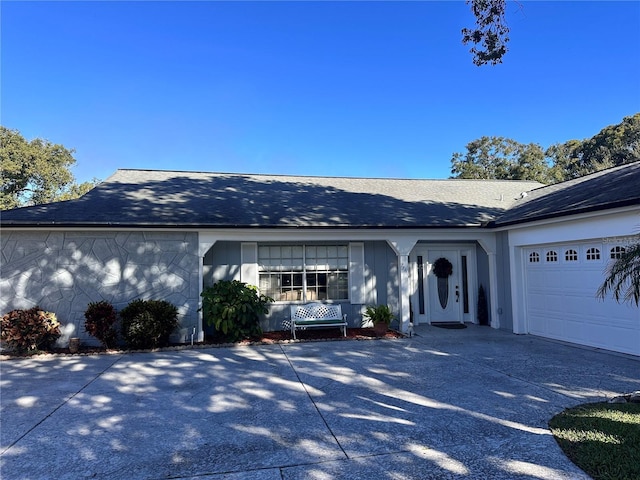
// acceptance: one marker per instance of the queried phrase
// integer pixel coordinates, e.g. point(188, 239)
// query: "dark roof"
point(611, 188)
point(151, 198)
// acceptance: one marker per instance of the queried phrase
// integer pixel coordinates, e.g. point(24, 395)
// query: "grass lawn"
point(603, 439)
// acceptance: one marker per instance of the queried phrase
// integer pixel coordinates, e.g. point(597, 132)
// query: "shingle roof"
point(607, 189)
point(154, 198)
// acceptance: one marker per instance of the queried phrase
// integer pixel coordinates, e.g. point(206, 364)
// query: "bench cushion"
point(314, 321)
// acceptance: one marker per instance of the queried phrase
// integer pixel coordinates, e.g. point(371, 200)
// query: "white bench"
point(317, 315)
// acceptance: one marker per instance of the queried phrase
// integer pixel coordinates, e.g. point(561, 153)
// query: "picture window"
point(304, 272)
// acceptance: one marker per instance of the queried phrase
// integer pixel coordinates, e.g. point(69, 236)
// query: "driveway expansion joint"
point(450, 416)
point(62, 404)
point(324, 420)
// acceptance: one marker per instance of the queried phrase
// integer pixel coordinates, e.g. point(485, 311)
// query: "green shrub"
point(234, 309)
point(100, 323)
point(29, 330)
point(148, 323)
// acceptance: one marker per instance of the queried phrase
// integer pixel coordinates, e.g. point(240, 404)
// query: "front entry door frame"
point(424, 284)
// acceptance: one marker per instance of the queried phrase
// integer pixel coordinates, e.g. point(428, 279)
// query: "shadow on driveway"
point(470, 403)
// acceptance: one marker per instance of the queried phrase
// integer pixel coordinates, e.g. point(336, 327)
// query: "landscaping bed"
point(267, 338)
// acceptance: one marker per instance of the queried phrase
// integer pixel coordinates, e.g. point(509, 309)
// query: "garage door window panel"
point(593, 254)
point(617, 252)
point(570, 255)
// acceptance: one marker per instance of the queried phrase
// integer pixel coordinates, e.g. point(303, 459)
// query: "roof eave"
point(564, 213)
point(193, 226)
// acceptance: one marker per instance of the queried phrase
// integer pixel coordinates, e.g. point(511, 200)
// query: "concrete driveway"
point(470, 404)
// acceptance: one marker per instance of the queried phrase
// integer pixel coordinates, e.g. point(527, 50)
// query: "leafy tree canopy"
point(490, 35)
point(612, 146)
point(501, 159)
point(505, 159)
point(35, 172)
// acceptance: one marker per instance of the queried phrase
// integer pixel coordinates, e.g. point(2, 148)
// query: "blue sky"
point(378, 89)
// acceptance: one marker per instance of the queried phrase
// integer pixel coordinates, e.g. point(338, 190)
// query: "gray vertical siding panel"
point(222, 262)
point(483, 275)
point(504, 284)
point(382, 264)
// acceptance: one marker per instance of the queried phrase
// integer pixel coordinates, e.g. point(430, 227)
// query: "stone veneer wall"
point(63, 271)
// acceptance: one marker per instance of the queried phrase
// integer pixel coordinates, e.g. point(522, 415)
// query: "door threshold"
point(449, 325)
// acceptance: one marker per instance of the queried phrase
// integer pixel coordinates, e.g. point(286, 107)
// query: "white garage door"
point(561, 303)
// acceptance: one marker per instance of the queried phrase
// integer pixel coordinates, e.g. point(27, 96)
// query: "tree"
point(613, 146)
point(623, 277)
point(490, 36)
point(35, 172)
point(564, 159)
point(505, 159)
point(616, 144)
point(501, 159)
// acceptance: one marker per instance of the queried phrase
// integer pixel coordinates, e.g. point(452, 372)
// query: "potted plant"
point(380, 316)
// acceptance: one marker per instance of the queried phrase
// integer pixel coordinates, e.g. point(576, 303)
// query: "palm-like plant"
point(623, 277)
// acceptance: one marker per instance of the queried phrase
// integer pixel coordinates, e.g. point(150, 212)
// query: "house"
point(539, 252)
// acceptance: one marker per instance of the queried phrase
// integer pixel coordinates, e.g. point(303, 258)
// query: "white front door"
point(445, 293)
point(444, 303)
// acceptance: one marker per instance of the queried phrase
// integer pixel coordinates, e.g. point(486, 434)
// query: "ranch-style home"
point(539, 252)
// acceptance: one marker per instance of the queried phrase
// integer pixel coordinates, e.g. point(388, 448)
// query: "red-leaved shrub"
point(100, 323)
point(29, 330)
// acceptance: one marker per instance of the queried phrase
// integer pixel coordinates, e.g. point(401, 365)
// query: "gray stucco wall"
point(64, 271)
